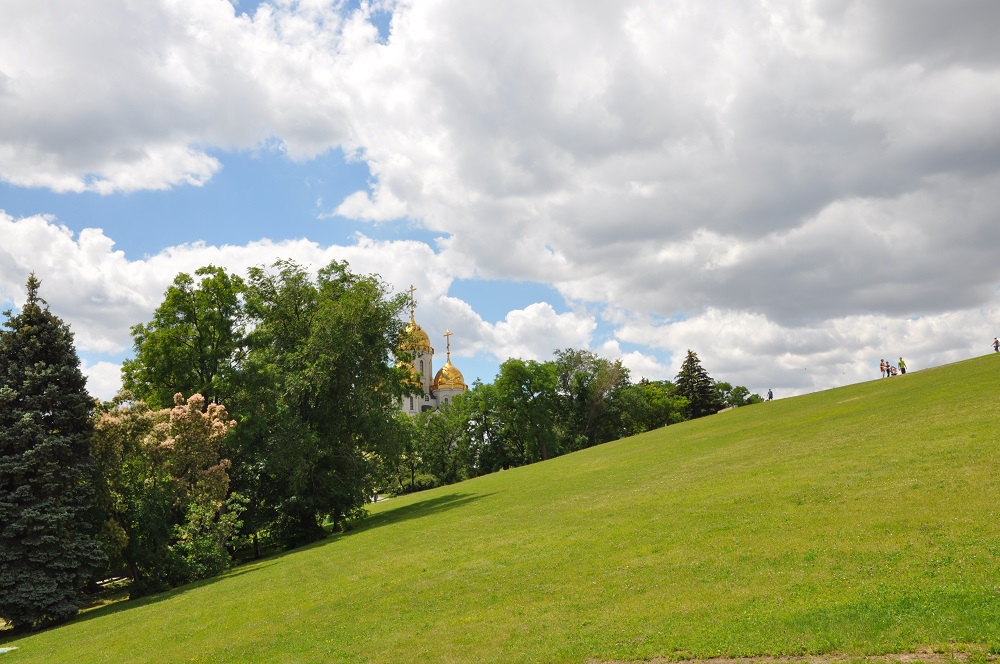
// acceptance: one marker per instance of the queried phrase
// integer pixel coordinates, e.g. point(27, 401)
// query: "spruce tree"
point(47, 516)
point(694, 383)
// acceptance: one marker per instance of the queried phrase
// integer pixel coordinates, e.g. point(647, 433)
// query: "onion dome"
point(414, 338)
point(449, 377)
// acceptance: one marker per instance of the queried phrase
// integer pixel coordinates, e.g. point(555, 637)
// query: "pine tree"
point(694, 383)
point(47, 516)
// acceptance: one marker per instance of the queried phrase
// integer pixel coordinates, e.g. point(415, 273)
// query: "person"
point(881, 367)
point(902, 366)
point(770, 395)
point(996, 345)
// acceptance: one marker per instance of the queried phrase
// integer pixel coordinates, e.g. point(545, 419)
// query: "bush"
point(421, 482)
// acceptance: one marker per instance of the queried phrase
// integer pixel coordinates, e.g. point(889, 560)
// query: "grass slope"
point(862, 520)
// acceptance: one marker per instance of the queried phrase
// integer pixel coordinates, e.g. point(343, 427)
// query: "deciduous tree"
point(193, 343)
point(319, 394)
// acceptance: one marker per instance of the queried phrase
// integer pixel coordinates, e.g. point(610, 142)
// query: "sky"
point(792, 189)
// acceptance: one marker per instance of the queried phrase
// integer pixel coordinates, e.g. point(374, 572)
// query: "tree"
point(651, 405)
point(589, 393)
point(318, 394)
point(441, 440)
point(48, 517)
point(694, 383)
point(165, 487)
point(734, 397)
point(525, 411)
point(193, 343)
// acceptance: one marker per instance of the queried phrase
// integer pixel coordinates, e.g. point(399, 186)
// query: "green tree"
point(486, 450)
point(734, 397)
point(193, 343)
point(525, 411)
point(651, 405)
point(694, 383)
point(442, 440)
point(589, 392)
point(319, 394)
point(48, 518)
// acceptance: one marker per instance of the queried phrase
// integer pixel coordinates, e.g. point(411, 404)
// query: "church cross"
point(447, 338)
point(413, 303)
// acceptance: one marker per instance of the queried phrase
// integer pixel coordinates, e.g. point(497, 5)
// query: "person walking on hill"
point(881, 367)
point(902, 366)
point(996, 345)
point(770, 395)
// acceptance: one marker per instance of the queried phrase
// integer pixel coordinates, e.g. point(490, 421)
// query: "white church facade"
point(430, 390)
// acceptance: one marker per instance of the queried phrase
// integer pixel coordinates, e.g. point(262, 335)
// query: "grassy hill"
point(860, 520)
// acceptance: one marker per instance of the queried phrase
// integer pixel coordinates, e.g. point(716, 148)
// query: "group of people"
point(888, 370)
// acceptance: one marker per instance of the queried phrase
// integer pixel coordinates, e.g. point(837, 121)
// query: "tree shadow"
point(417, 510)
point(9, 637)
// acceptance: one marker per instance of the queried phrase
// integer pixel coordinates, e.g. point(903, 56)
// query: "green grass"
point(861, 520)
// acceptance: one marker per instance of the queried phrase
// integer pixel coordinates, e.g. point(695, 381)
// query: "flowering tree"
point(166, 487)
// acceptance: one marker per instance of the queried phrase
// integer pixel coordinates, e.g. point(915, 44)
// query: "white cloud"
point(103, 379)
point(534, 332)
point(101, 293)
point(805, 186)
point(748, 349)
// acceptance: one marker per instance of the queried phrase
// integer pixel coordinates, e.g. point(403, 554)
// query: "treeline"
point(538, 410)
point(259, 414)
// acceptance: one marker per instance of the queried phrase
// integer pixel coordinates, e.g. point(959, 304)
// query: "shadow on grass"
point(413, 511)
point(417, 510)
point(9, 637)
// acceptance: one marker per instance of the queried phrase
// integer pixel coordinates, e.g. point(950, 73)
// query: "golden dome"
point(414, 338)
point(449, 378)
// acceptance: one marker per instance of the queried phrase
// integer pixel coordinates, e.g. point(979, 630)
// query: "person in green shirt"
point(902, 366)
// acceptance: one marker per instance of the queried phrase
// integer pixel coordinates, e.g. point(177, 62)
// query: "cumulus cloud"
point(101, 293)
point(745, 348)
point(799, 186)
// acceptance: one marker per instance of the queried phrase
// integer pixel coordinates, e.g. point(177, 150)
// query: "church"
point(428, 393)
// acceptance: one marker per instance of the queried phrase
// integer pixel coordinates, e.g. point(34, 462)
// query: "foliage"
point(200, 541)
point(441, 440)
point(734, 397)
point(589, 391)
point(318, 392)
point(694, 384)
point(193, 343)
point(525, 410)
point(651, 405)
point(165, 487)
point(48, 516)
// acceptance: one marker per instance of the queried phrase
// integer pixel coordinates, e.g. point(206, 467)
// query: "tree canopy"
point(193, 343)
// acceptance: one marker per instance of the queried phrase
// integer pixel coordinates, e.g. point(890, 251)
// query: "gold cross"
point(413, 303)
point(447, 338)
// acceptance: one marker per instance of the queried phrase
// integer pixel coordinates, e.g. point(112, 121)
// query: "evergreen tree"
point(47, 516)
point(694, 383)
